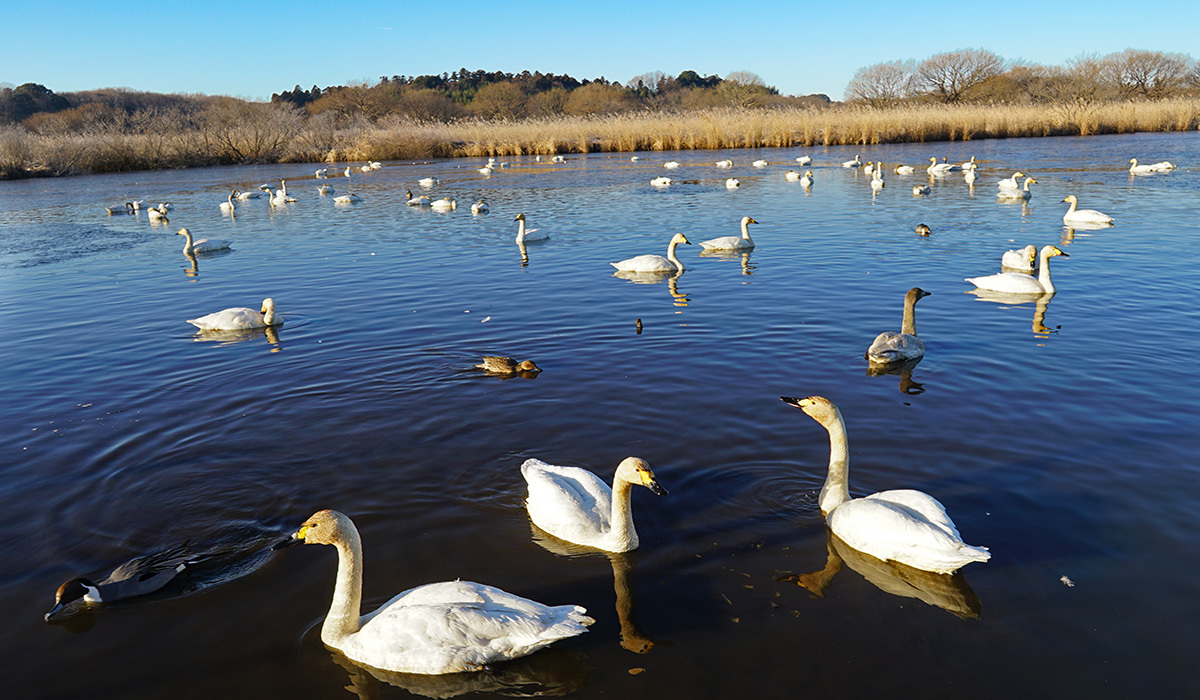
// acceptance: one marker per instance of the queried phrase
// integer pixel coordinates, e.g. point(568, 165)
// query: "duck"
point(1021, 259)
point(412, 201)
point(905, 526)
point(525, 235)
point(661, 181)
point(891, 346)
point(759, 163)
point(1019, 282)
point(923, 230)
point(725, 163)
point(480, 207)
point(573, 504)
point(444, 204)
point(1089, 216)
point(732, 183)
point(325, 189)
point(921, 190)
point(804, 160)
point(438, 628)
point(655, 263)
point(856, 163)
point(239, 318)
point(791, 176)
point(807, 181)
point(227, 207)
point(905, 170)
point(1140, 169)
point(204, 245)
point(1010, 183)
point(1023, 193)
point(671, 164)
point(742, 242)
point(498, 364)
point(137, 577)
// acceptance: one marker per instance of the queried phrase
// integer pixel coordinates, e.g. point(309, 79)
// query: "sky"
point(252, 50)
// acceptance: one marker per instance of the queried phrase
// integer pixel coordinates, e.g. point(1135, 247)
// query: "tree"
point(883, 84)
point(598, 98)
point(1147, 74)
point(647, 84)
point(744, 89)
point(948, 76)
point(499, 101)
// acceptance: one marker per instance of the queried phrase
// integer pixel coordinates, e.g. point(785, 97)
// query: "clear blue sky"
point(251, 49)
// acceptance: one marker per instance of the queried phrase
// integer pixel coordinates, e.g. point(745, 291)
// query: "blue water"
point(1066, 443)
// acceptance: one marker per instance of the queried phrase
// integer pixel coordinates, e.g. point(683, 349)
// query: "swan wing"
point(229, 319)
point(208, 245)
point(1013, 282)
point(568, 502)
point(726, 243)
point(891, 346)
point(905, 526)
point(645, 263)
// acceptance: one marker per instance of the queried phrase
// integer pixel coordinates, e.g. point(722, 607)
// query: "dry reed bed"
point(24, 154)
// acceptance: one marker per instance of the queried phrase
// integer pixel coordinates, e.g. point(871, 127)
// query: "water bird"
point(671, 164)
point(321, 172)
point(877, 177)
point(661, 181)
point(525, 235)
point(255, 194)
point(634, 159)
point(905, 170)
point(412, 201)
point(281, 196)
point(1022, 193)
point(906, 526)
point(365, 168)
point(347, 171)
point(725, 163)
point(444, 204)
point(349, 198)
point(375, 165)
point(137, 577)
point(1010, 183)
point(890, 346)
point(157, 214)
point(921, 190)
point(227, 206)
point(573, 504)
point(239, 318)
point(204, 245)
point(485, 170)
point(498, 364)
point(479, 207)
point(1140, 169)
point(923, 230)
point(1087, 216)
point(936, 168)
point(1019, 282)
point(759, 163)
point(869, 168)
point(1021, 259)
point(970, 164)
point(807, 181)
point(856, 163)
point(804, 160)
point(325, 189)
point(437, 628)
point(125, 208)
point(732, 183)
point(969, 176)
point(558, 159)
point(742, 242)
point(655, 263)
point(791, 176)
point(427, 181)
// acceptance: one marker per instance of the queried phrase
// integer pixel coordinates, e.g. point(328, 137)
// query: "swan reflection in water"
point(671, 278)
point(742, 255)
point(902, 369)
point(229, 337)
point(1041, 302)
point(950, 592)
point(549, 672)
point(623, 566)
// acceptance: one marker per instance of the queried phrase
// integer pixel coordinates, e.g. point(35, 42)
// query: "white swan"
point(1163, 166)
point(227, 207)
point(427, 181)
point(856, 163)
point(412, 201)
point(634, 159)
point(525, 235)
point(1087, 216)
point(347, 171)
point(905, 170)
point(970, 164)
point(1020, 283)
point(655, 263)
point(791, 176)
point(661, 181)
point(1023, 193)
point(375, 165)
point(364, 168)
point(939, 169)
point(905, 526)
point(485, 170)
point(877, 177)
point(157, 214)
point(433, 629)
point(891, 346)
point(281, 196)
point(921, 190)
point(732, 183)
point(204, 245)
point(724, 163)
point(350, 198)
point(1020, 259)
point(671, 164)
point(237, 319)
point(573, 504)
point(969, 177)
point(804, 160)
point(325, 189)
point(759, 164)
point(479, 207)
point(321, 172)
point(559, 159)
point(126, 208)
point(1010, 183)
point(243, 196)
point(742, 242)
point(444, 204)
point(807, 181)
point(1139, 169)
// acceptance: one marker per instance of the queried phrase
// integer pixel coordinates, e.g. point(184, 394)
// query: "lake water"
point(1062, 436)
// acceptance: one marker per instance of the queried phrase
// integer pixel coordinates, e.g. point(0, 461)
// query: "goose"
point(804, 160)
point(237, 319)
point(204, 245)
point(891, 346)
point(759, 164)
point(1088, 216)
point(444, 204)
point(661, 181)
point(724, 163)
point(1010, 183)
point(655, 263)
point(791, 176)
point(877, 177)
point(137, 577)
point(412, 201)
point(573, 504)
point(498, 364)
point(1019, 282)
point(126, 208)
point(905, 170)
point(325, 189)
point(856, 163)
point(479, 207)
point(906, 526)
point(671, 164)
point(321, 172)
point(923, 230)
point(921, 190)
point(807, 181)
point(1020, 259)
point(732, 183)
point(437, 628)
point(1139, 169)
point(525, 235)
point(227, 206)
point(936, 168)
point(742, 242)
point(1023, 193)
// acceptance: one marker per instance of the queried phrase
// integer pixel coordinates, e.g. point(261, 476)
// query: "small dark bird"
point(922, 230)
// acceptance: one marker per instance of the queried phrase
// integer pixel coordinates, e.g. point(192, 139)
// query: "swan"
point(742, 242)
point(791, 176)
point(498, 364)
point(558, 159)
point(347, 171)
point(724, 163)
point(921, 190)
point(732, 183)
point(1163, 166)
point(671, 164)
point(479, 207)
point(923, 230)
point(325, 189)
point(869, 168)
point(137, 577)
point(485, 170)
point(655, 263)
point(1023, 193)
point(852, 163)
point(136, 205)
point(444, 204)
point(375, 165)
point(1021, 283)
point(364, 168)
point(525, 235)
point(204, 245)
point(891, 346)
point(1089, 216)
point(1020, 259)
point(759, 164)
point(807, 180)
point(905, 170)
point(237, 319)
point(249, 195)
point(157, 214)
point(126, 208)
point(432, 629)
point(936, 168)
point(412, 201)
point(227, 206)
point(804, 160)
point(347, 199)
point(877, 177)
point(634, 159)
point(661, 181)
point(427, 181)
point(905, 526)
point(970, 164)
point(969, 176)
point(1140, 169)
point(1010, 183)
point(281, 195)
point(321, 172)
point(573, 504)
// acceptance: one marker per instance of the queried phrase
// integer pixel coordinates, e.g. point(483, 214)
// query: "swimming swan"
point(655, 263)
point(759, 164)
point(479, 207)
point(905, 170)
point(204, 245)
point(852, 163)
point(444, 204)
point(1135, 168)
point(891, 346)
point(905, 526)
point(877, 177)
point(791, 176)
point(1017, 194)
point(350, 198)
point(724, 163)
point(228, 207)
point(525, 235)
point(671, 164)
point(1020, 283)
point(1088, 216)
point(433, 629)
point(661, 181)
point(1021, 259)
point(573, 504)
point(325, 189)
point(804, 160)
point(732, 183)
point(742, 242)
point(936, 168)
point(240, 318)
point(1010, 183)
point(807, 181)
point(921, 190)
point(421, 201)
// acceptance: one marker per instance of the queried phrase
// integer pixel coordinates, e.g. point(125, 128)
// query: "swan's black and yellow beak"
point(655, 487)
point(292, 540)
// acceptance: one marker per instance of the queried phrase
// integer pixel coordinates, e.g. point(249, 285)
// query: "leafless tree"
point(1147, 74)
point(948, 76)
point(882, 84)
point(652, 81)
point(499, 100)
point(744, 89)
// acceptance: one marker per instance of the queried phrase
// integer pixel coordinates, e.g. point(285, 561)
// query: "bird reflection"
point(194, 271)
point(950, 592)
point(672, 280)
point(623, 565)
point(1068, 236)
point(229, 337)
point(1041, 303)
point(744, 256)
point(550, 672)
point(524, 253)
point(904, 370)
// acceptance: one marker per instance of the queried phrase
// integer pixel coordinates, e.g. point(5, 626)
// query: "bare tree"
point(651, 81)
point(882, 84)
point(1147, 74)
point(949, 75)
point(499, 101)
point(744, 89)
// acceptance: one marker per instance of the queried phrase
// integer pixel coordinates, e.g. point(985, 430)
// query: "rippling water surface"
point(1062, 436)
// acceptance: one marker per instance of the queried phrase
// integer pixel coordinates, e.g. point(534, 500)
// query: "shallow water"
point(1065, 443)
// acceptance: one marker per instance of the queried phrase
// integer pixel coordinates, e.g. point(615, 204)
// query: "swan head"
point(808, 173)
point(819, 408)
point(1017, 175)
point(636, 470)
point(923, 230)
point(184, 232)
point(1071, 198)
point(679, 238)
point(322, 527)
point(747, 220)
point(268, 306)
point(1052, 251)
point(916, 294)
point(520, 217)
point(933, 159)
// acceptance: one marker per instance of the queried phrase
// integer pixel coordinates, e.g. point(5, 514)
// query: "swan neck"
point(187, 244)
point(1044, 272)
point(672, 257)
point(836, 490)
point(909, 325)
point(520, 230)
point(1073, 204)
point(621, 519)
point(344, 611)
point(746, 231)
